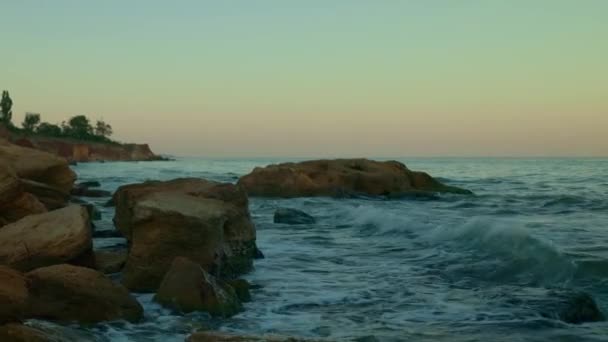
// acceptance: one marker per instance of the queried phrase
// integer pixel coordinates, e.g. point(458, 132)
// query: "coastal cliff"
point(82, 151)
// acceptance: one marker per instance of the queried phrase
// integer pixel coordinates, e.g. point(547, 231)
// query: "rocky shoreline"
point(189, 240)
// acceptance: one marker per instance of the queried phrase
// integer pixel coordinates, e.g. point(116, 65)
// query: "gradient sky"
point(318, 78)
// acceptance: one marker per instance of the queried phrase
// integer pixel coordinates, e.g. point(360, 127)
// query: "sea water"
point(451, 268)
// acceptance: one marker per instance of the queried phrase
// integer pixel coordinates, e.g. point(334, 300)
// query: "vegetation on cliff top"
point(78, 127)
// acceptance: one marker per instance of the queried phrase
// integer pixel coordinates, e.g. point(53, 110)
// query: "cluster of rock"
point(47, 265)
point(188, 239)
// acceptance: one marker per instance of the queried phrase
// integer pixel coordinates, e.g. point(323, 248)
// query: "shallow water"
point(456, 268)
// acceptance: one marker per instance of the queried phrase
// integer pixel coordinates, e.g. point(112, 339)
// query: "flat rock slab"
point(339, 178)
point(60, 236)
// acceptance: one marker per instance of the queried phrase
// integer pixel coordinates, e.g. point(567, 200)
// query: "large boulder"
point(13, 295)
point(60, 236)
point(187, 287)
point(15, 203)
point(341, 177)
point(37, 166)
point(205, 221)
point(71, 293)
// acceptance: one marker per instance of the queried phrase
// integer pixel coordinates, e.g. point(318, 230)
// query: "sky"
point(318, 78)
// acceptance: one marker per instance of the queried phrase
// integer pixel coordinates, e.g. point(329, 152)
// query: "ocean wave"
point(504, 251)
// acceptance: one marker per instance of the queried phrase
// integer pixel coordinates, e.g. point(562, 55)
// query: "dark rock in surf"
point(241, 288)
point(292, 216)
point(340, 178)
point(188, 287)
point(573, 307)
point(88, 184)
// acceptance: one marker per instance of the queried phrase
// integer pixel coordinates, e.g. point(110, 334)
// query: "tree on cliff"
point(78, 127)
point(48, 129)
point(6, 104)
point(30, 122)
point(102, 129)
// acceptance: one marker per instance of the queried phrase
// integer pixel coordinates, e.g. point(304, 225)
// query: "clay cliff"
point(82, 151)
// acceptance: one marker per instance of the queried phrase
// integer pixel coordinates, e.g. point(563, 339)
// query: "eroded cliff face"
point(83, 151)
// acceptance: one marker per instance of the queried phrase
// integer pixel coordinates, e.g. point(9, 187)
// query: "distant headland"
point(76, 140)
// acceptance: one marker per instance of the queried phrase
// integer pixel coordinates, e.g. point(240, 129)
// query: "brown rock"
point(341, 177)
point(55, 237)
point(212, 336)
point(15, 332)
point(52, 197)
point(13, 295)
point(38, 166)
point(15, 203)
point(72, 293)
point(205, 221)
point(110, 261)
point(187, 287)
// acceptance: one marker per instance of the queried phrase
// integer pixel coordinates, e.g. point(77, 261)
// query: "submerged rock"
point(60, 236)
point(187, 287)
point(241, 288)
point(214, 336)
point(72, 293)
point(341, 177)
point(572, 307)
point(207, 222)
point(13, 295)
point(292, 216)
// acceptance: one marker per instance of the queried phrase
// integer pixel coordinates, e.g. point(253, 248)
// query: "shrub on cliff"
point(48, 129)
point(30, 122)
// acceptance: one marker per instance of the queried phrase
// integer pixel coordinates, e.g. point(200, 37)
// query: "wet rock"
point(38, 166)
point(60, 236)
point(52, 197)
point(88, 184)
point(72, 293)
point(241, 288)
point(339, 178)
point(292, 216)
point(13, 295)
point(15, 203)
point(15, 332)
point(207, 222)
point(107, 233)
point(572, 307)
point(110, 261)
point(86, 192)
point(258, 254)
point(214, 336)
point(187, 287)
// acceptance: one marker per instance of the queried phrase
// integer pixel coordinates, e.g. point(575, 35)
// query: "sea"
point(485, 267)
